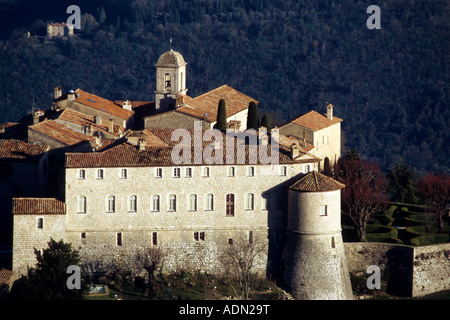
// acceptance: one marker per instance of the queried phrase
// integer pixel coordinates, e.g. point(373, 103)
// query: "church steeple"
point(170, 79)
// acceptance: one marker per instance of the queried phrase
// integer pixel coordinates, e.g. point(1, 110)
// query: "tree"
point(435, 191)
point(252, 117)
point(327, 167)
point(150, 260)
point(401, 183)
point(101, 15)
point(265, 122)
point(237, 261)
point(48, 280)
point(364, 192)
point(222, 116)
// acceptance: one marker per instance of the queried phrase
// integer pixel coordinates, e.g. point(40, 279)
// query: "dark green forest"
point(391, 86)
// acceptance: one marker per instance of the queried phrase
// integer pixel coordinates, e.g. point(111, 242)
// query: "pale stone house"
point(322, 131)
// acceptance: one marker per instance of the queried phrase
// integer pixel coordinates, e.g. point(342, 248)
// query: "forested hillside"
point(391, 86)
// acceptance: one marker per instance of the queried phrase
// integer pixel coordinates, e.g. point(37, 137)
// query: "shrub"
point(429, 239)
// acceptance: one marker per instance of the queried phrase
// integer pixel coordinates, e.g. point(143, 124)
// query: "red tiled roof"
point(208, 103)
point(38, 206)
point(316, 182)
point(314, 121)
point(79, 118)
point(60, 132)
point(126, 155)
point(99, 103)
point(17, 149)
point(5, 276)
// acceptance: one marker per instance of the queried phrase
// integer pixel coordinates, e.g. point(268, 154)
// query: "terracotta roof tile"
point(316, 182)
point(21, 150)
point(38, 206)
point(208, 103)
point(60, 132)
point(314, 121)
point(99, 103)
point(127, 155)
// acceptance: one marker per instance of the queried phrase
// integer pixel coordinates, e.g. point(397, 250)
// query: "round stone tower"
point(315, 266)
point(170, 79)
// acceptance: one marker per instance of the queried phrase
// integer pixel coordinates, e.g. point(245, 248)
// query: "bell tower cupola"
point(170, 80)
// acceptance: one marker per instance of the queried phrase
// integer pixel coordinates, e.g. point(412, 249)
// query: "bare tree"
point(435, 191)
point(364, 192)
point(238, 260)
point(150, 259)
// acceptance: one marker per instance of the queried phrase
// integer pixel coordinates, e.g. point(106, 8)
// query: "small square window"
point(205, 172)
point(100, 174)
point(40, 223)
point(119, 239)
point(176, 172)
point(323, 210)
point(83, 235)
point(283, 170)
point(81, 174)
point(250, 171)
point(159, 173)
point(230, 172)
point(123, 173)
point(188, 173)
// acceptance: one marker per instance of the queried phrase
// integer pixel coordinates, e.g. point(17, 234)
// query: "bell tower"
point(170, 80)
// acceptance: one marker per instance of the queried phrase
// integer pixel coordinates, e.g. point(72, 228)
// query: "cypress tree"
point(252, 118)
point(222, 116)
point(265, 122)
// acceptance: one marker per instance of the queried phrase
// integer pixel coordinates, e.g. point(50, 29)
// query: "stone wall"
point(408, 271)
point(27, 237)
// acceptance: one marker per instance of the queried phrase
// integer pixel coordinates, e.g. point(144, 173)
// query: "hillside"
point(391, 86)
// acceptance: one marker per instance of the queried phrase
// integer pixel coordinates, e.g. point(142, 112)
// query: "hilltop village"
point(100, 175)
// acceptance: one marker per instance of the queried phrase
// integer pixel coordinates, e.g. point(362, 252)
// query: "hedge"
point(429, 239)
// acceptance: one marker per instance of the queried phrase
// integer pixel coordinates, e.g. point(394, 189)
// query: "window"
point(249, 201)
point(119, 239)
point(176, 172)
point(230, 171)
point(205, 172)
point(100, 174)
point(230, 205)
point(81, 204)
point(323, 210)
point(192, 202)
point(333, 243)
point(283, 170)
point(111, 204)
point(209, 202)
point(132, 203)
point(265, 205)
point(188, 173)
point(40, 223)
point(123, 173)
point(155, 202)
point(250, 171)
point(159, 172)
point(199, 236)
point(83, 235)
point(155, 238)
point(81, 174)
point(172, 202)
point(230, 241)
point(307, 168)
point(250, 237)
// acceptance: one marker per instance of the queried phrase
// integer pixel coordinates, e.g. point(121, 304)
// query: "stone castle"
point(113, 187)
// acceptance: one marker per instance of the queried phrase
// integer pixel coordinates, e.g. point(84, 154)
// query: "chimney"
point(57, 92)
point(71, 95)
point(98, 140)
point(2, 128)
point(330, 111)
point(141, 144)
point(98, 119)
point(111, 125)
point(127, 105)
point(263, 138)
point(295, 151)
